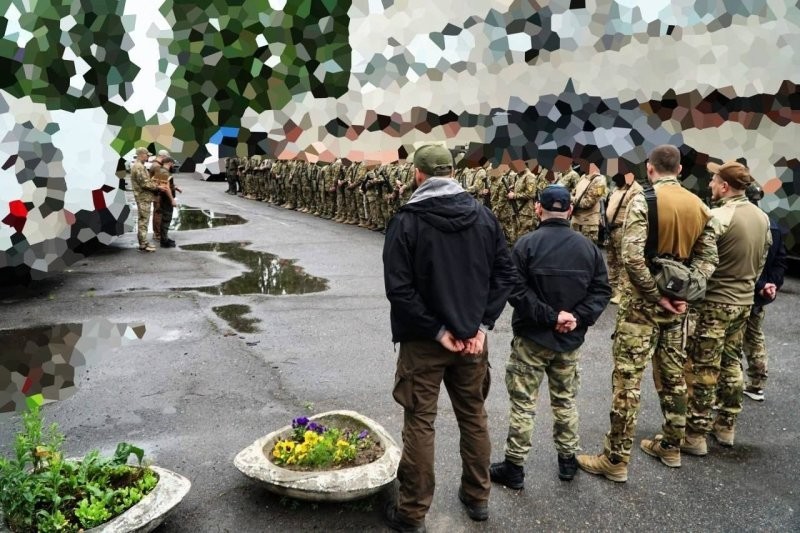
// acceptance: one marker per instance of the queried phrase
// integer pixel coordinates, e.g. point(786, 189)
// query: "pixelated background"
point(85, 82)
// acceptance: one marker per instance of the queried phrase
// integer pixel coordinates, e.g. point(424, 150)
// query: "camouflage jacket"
point(586, 199)
point(144, 185)
point(704, 257)
point(525, 194)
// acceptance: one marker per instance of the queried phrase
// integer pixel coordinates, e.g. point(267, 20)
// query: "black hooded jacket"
point(563, 271)
point(445, 264)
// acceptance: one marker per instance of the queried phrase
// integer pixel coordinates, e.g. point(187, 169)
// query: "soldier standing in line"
point(589, 192)
point(525, 195)
point(769, 283)
point(545, 177)
point(651, 324)
point(230, 173)
point(626, 189)
point(715, 347)
point(498, 196)
point(570, 179)
point(240, 173)
point(350, 216)
point(480, 184)
point(564, 290)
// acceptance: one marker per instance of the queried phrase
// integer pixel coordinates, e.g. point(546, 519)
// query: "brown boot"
point(724, 434)
point(695, 445)
point(602, 465)
point(670, 456)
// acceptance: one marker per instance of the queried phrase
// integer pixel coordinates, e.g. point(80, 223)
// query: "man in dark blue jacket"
point(564, 292)
point(448, 273)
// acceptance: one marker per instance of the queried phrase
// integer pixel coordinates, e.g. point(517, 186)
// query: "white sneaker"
point(754, 394)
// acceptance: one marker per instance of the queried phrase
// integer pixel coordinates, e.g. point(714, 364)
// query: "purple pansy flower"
point(363, 435)
point(300, 421)
point(313, 426)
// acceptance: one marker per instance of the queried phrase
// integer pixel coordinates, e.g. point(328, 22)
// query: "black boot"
point(508, 474)
point(396, 523)
point(567, 466)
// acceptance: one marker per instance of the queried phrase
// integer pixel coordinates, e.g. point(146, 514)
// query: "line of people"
point(448, 274)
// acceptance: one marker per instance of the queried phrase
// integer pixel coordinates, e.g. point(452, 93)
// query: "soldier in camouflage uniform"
point(570, 178)
point(144, 191)
point(525, 194)
point(715, 349)
point(479, 188)
point(350, 213)
point(500, 183)
point(650, 324)
point(618, 202)
point(589, 193)
point(231, 167)
point(564, 290)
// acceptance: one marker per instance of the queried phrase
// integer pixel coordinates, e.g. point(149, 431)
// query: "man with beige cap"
point(715, 348)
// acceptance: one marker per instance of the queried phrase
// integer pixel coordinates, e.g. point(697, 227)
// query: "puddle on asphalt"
point(37, 365)
point(269, 274)
point(187, 218)
point(234, 315)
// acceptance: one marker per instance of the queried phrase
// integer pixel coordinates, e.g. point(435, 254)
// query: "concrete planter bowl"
point(330, 485)
point(150, 512)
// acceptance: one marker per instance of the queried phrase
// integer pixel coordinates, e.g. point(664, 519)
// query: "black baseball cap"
point(555, 198)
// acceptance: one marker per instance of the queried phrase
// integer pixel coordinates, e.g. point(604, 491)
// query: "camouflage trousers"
point(715, 363)
point(755, 348)
point(591, 231)
point(526, 224)
point(526, 367)
point(143, 206)
point(617, 276)
point(646, 331)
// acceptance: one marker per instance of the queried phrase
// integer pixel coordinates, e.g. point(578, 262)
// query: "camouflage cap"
point(434, 160)
point(733, 173)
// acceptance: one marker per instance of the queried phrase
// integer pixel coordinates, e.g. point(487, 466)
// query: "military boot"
point(723, 433)
point(602, 465)
point(695, 445)
point(567, 467)
point(508, 474)
point(669, 455)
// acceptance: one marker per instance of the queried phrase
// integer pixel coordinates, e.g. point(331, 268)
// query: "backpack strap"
point(651, 245)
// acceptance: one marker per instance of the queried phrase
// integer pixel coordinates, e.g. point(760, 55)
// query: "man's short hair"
point(143, 150)
point(434, 160)
point(555, 198)
point(733, 173)
point(666, 159)
point(163, 153)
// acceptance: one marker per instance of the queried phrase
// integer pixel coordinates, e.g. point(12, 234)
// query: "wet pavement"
point(234, 315)
point(191, 218)
point(194, 395)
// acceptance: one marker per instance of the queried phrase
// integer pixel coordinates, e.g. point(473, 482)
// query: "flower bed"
point(336, 482)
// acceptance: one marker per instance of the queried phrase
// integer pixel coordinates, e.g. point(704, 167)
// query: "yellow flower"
point(341, 443)
point(310, 437)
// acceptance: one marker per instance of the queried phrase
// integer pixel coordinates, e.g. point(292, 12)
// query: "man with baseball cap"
point(448, 273)
point(715, 348)
point(565, 291)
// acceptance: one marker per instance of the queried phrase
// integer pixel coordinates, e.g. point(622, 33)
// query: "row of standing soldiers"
point(368, 194)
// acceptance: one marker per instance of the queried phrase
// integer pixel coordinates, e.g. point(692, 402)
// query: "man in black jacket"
point(448, 273)
point(565, 290)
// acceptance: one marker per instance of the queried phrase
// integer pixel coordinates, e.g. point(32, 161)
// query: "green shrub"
point(42, 492)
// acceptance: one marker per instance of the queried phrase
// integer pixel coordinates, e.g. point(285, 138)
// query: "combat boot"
point(669, 455)
point(602, 465)
point(723, 433)
point(508, 474)
point(567, 467)
point(695, 445)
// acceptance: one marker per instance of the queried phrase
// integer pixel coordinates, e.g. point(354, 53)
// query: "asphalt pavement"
point(193, 392)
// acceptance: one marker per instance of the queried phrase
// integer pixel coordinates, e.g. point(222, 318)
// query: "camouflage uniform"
point(231, 167)
point(526, 367)
point(586, 198)
point(755, 348)
point(617, 206)
point(569, 180)
point(144, 191)
point(645, 330)
point(480, 182)
point(715, 348)
point(525, 197)
point(498, 197)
